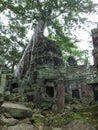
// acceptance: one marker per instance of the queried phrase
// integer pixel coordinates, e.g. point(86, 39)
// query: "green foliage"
point(69, 48)
point(60, 15)
point(81, 56)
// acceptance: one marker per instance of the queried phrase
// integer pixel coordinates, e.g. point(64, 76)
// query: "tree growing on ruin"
point(58, 16)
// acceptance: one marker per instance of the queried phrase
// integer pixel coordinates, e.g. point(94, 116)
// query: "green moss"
point(55, 119)
point(80, 116)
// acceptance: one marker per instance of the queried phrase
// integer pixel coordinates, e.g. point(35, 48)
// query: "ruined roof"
point(80, 72)
point(47, 52)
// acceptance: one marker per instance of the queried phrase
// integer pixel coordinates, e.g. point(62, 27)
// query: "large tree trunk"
point(25, 63)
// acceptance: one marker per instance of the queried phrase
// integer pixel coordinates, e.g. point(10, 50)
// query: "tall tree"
point(59, 16)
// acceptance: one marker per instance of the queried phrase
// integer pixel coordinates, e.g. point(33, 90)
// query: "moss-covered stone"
point(17, 110)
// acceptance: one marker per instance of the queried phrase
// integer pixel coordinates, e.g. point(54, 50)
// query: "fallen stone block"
point(17, 110)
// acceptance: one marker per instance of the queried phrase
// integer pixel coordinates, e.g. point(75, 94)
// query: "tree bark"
point(25, 63)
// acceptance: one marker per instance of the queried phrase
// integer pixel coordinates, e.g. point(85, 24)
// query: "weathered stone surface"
point(3, 127)
point(7, 95)
point(7, 121)
point(22, 127)
point(57, 129)
point(7, 115)
point(79, 125)
point(17, 110)
point(1, 99)
point(3, 83)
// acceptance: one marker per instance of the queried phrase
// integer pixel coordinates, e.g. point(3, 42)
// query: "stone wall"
point(76, 82)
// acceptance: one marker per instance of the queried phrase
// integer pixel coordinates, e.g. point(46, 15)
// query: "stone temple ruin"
point(47, 73)
point(82, 81)
point(51, 80)
point(46, 85)
point(94, 81)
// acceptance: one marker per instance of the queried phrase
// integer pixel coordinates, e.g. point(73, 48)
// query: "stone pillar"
point(60, 95)
point(95, 45)
point(2, 88)
point(3, 83)
point(38, 94)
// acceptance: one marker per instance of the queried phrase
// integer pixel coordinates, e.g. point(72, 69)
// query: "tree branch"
point(40, 8)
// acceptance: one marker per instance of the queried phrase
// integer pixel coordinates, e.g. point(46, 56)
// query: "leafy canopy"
point(61, 17)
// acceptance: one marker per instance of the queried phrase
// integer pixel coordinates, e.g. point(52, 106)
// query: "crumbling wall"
point(44, 69)
point(77, 81)
point(95, 45)
point(94, 83)
point(47, 52)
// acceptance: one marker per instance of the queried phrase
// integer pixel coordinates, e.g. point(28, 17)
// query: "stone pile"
point(16, 117)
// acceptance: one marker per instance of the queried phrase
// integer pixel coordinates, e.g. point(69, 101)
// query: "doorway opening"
point(75, 94)
point(95, 90)
point(50, 91)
